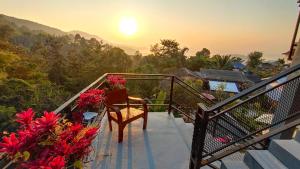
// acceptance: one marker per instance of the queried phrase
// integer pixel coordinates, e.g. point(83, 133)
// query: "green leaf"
point(18, 154)
point(26, 155)
point(78, 164)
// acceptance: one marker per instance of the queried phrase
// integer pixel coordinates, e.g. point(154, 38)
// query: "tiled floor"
point(159, 147)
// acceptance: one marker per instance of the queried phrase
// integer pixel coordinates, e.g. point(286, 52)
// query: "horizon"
point(230, 28)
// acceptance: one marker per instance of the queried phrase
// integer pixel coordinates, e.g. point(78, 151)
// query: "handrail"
point(195, 91)
point(187, 86)
point(208, 116)
point(253, 88)
point(251, 142)
point(249, 99)
point(72, 99)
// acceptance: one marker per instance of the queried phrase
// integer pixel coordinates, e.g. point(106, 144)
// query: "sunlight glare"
point(128, 26)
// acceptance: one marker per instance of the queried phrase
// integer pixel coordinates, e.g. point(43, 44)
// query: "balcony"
point(188, 130)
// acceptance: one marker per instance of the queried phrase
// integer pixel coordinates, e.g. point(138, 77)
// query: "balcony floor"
point(161, 146)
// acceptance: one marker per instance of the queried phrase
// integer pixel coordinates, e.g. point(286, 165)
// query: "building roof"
point(253, 77)
point(222, 75)
point(184, 72)
point(238, 65)
point(228, 86)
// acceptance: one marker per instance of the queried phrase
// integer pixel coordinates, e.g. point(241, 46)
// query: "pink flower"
point(10, 145)
point(223, 140)
point(25, 118)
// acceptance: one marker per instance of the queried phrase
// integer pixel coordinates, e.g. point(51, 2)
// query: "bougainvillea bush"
point(116, 82)
point(47, 142)
point(90, 99)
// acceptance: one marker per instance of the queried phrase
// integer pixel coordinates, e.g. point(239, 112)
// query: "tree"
point(224, 62)
point(204, 52)
point(169, 54)
point(281, 61)
point(6, 32)
point(254, 59)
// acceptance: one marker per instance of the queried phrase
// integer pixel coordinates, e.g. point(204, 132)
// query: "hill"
point(37, 27)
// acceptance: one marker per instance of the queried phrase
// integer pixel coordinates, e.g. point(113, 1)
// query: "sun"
point(128, 26)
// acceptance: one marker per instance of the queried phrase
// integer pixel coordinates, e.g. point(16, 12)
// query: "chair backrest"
point(116, 97)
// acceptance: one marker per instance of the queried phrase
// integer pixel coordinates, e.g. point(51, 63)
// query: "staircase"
point(281, 154)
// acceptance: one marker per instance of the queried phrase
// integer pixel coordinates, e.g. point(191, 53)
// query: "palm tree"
point(224, 62)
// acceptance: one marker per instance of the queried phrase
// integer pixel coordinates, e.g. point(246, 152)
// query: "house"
point(234, 81)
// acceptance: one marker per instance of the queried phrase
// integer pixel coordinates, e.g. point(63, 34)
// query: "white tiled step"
point(287, 151)
point(233, 165)
point(185, 130)
point(262, 159)
point(297, 137)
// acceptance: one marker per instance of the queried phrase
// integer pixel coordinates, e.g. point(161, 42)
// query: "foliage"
point(45, 142)
point(220, 94)
point(160, 99)
point(254, 59)
point(224, 62)
point(6, 118)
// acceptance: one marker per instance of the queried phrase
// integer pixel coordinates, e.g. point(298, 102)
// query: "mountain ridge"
point(35, 26)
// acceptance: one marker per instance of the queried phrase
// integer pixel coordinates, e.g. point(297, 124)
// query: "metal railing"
point(155, 82)
point(261, 109)
point(235, 117)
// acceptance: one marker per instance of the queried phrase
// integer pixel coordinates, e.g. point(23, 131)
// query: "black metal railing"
point(244, 117)
point(148, 86)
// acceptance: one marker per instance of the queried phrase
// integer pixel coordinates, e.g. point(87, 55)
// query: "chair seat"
point(133, 112)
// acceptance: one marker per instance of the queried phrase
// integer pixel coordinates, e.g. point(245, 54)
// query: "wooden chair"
point(125, 115)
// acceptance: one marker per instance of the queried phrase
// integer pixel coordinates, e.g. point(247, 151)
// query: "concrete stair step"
point(262, 159)
point(287, 151)
point(233, 165)
point(297, 137)
point(185, 130)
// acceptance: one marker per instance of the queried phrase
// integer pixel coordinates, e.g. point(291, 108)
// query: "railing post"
point(198, 143)
point(171, 95)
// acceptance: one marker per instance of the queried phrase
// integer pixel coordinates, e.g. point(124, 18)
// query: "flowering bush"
point(116, 82)
point(90, 99)
point(46, 142)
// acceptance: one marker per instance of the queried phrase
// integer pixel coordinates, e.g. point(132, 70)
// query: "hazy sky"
point(223, 26)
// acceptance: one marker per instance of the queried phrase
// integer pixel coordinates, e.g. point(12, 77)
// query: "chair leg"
point(121, 128)
point(109, 121)
point(110, 125)
point(145, 122)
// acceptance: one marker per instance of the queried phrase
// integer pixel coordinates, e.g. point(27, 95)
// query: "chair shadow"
point(120, 150)
point(148, 149)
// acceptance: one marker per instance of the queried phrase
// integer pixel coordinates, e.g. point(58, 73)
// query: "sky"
point(223, 26)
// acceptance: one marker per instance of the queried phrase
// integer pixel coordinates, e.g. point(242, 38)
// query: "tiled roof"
point(222, 75)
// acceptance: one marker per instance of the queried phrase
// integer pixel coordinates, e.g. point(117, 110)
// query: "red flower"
point(57, 162)
point(90, 98)
point(25, 118)
point(62, 148)
point(71, 132)
point(10, 145)
point(91, 132)
point(116, 81)
point(47, 121)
